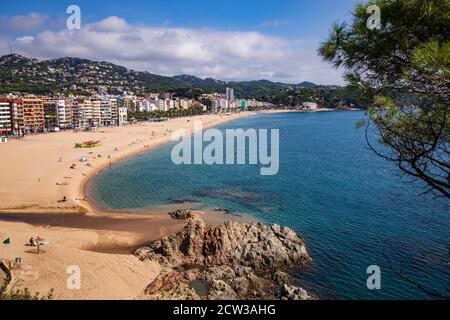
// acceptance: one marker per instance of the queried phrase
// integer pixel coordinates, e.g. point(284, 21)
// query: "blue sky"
point(230, 40)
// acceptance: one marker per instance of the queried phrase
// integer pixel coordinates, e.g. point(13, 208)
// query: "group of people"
point(38, 242)
point(35, 242)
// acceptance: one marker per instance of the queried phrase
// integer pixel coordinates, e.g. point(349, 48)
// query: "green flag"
point(7, 241)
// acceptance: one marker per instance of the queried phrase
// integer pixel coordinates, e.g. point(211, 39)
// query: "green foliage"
point(22, 294)
point(327, 97)
point(145, 116)
point(25, 294)
point(191, 93)
point(403, 69)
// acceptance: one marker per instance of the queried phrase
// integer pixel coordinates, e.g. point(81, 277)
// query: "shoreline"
point(92, 239)
point(91, 207)
point(19, 193)
point(89, 237)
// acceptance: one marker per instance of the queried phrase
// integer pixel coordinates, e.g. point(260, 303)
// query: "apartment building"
point(130, 102)
point(114, 111)
point(105, 113)
point(50, 115)
point(33, 114)
point(6, 118)
point(17, 114)
point(108, 111)
point(94, 112)
point(95, 117)
point(65, 113)
point(161, 105)
point(78, 113)
point(215, 105)
point(224, 104)
point(229, 94)
point(148, 105)
point(122, 116)
point(185, 104)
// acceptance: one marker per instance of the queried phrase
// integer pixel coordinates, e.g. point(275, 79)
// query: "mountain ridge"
point(78, 75)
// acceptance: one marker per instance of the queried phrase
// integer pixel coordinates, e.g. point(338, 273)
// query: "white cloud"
point(224, 55)
point(26, 39)
point(27, 22)
point(111, 24)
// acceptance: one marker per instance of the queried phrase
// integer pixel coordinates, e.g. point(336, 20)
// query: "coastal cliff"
point(230, 261)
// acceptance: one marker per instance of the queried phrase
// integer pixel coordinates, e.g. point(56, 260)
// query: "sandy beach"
point(41, 194)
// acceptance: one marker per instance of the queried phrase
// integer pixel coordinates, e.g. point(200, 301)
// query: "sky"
point(226, 40)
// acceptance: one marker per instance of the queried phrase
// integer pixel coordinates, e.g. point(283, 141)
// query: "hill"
point(82, 76)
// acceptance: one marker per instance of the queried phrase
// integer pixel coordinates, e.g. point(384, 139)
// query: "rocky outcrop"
point(234, 260)
point(181, 214)
point(294, 293)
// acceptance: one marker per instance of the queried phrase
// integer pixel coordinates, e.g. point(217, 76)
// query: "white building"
point(161, 105)
point(94, 112)
point(148, 105)
point(122, 116)
point(230, 94)
point(170, 104)
point(223, 104)
point(185, 104)
point(5, 118)
point(114, 111)
point(64, 113)
point(87, 113)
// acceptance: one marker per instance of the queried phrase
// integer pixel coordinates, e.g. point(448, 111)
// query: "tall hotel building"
point(230, 94)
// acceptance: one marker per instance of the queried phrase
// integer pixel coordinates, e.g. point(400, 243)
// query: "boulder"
point(220, 290)
point(253, 245)
point(181, 214)
point(233, 258)
point(294, 293)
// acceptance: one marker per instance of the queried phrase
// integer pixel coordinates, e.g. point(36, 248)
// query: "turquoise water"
point(349, 205)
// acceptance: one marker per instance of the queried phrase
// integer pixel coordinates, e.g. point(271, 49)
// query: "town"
point(21, 115)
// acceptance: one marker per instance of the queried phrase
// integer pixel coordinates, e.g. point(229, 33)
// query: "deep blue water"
point(347, 203)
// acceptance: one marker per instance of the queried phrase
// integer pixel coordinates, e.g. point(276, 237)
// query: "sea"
point(354, 209)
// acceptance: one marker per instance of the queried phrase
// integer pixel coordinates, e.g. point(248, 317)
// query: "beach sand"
point(36, 176)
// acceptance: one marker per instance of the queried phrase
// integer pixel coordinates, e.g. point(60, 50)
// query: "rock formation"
point(232, 261)
point(181, 214)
